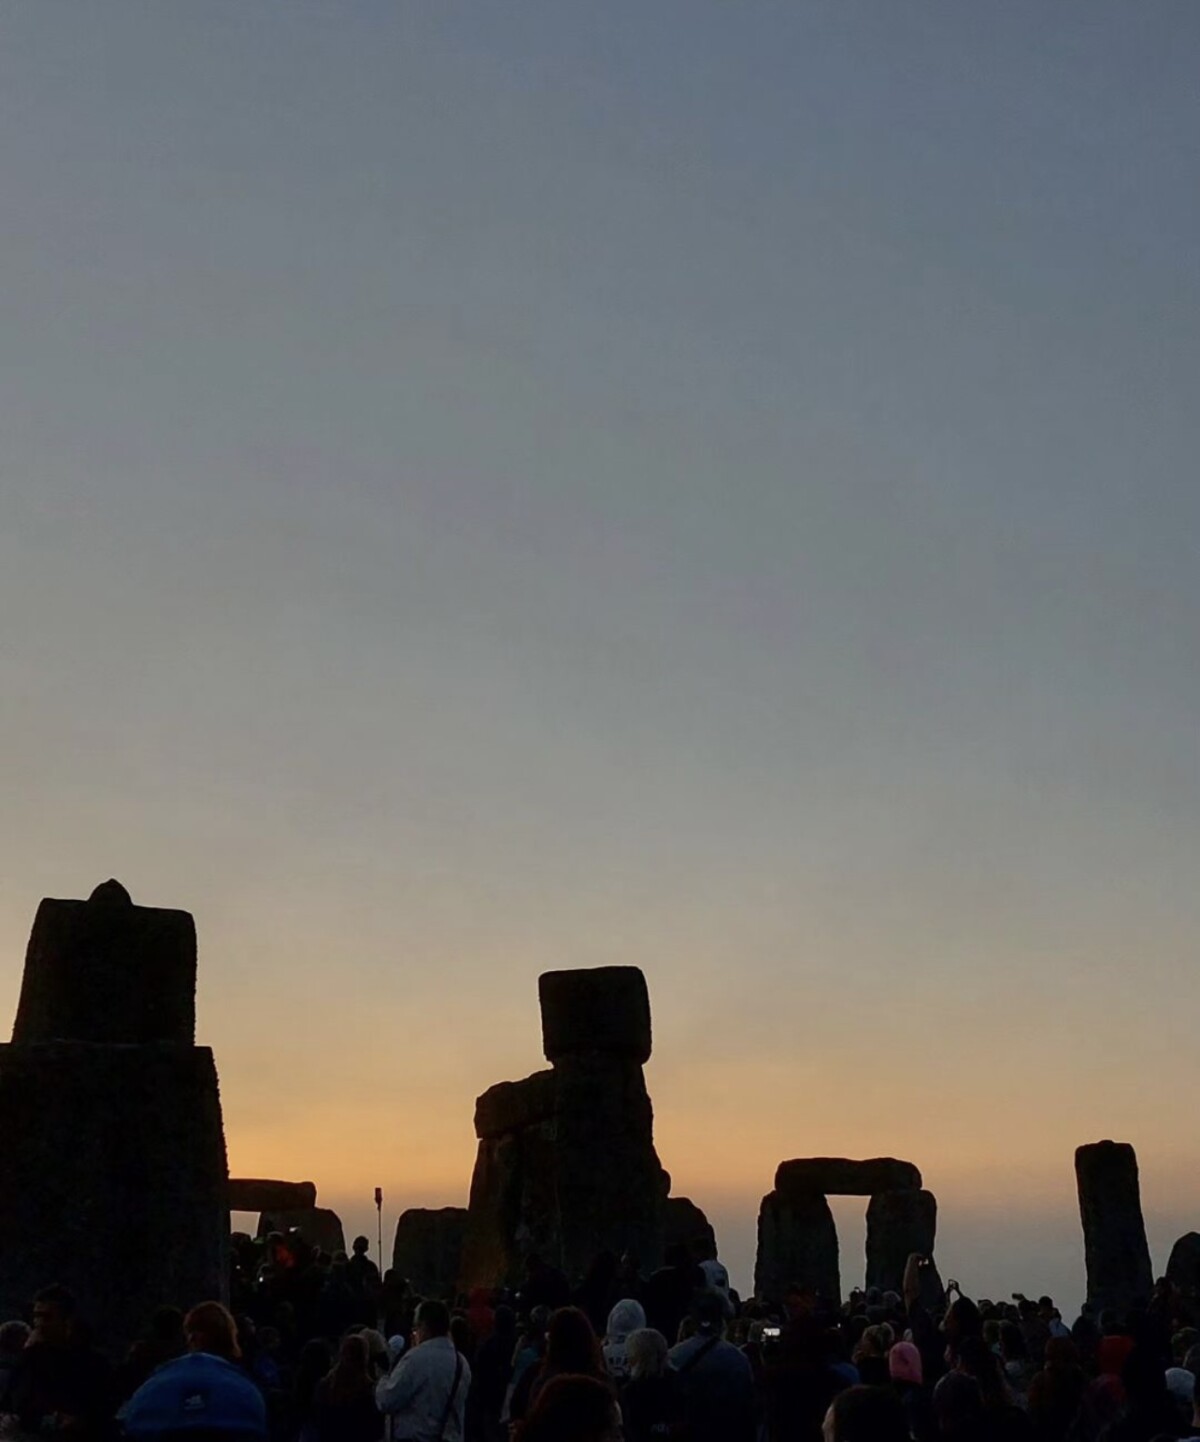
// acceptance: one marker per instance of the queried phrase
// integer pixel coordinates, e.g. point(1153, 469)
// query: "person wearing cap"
point(716, 1379)
point(203, 1396)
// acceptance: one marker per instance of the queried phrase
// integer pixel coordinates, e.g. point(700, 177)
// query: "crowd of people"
point(325, 1349)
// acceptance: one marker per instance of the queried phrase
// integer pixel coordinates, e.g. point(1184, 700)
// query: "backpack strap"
point(458, 1371)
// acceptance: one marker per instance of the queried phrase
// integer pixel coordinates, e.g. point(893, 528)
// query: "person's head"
point(432, 1320)
point(53, 1316)
point(353, 1355)
point(361, 1246)
point(708, 1315)
point(904, 1365)
point(1012, 1343)
point(962, 1320)
point(571, 1344)
point(1061, 1353)
point(210, 1328)
point(572, 1406)
point(866, 1414)
point(13, 1337)
point(978, 1360)
point(627, 1316)
point(646, 1350)
point(958, 1405)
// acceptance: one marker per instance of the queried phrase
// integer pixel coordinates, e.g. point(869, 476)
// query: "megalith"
point(841, 1177)
point(797, 1238)
point(428, 1249)
point(250, 1194)
point(320, 1227)
point(1116, 1253)
point(1183, 1267)
point(899, 1223)
point(797, 1247)
point(566, 1165)
point(685, 1225)
point(114, 1180)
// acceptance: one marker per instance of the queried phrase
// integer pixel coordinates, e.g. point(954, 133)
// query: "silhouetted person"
point(544, 1285)
point(491, 1372)
point(571, 1349)
point(425, 1394)
point(573, 1409)
point(365, 1282)
point(669, 1293)
point(344, 1407)
point(652, 1400)
point(1055, 1391)
point(59, 1382)
point(1149, 1411)
point(203, 1396)
point(716, 1380)
point(866, 1414)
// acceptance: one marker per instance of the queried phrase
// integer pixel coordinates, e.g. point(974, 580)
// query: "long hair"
point(574, 1406)
point(350, 1378)
point(209, 1327)
point(571, 1344)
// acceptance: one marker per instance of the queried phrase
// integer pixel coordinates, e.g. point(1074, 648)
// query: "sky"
point(700, 486)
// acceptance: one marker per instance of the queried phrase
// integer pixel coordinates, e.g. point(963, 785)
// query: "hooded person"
point(626, 1317)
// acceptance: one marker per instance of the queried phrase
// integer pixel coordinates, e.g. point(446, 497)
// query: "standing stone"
point(1183, 1268)
point(566, 1165)
point(428, 1249)
point(687, 1226)
point(899, 1223)
point(1114, 1235)
point(114, 1180)
point(797, 1247)
point(611, 1188)
point(319, 1226)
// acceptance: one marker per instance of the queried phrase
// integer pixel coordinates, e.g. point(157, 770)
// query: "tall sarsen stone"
point(566, 1165)
point(114, 1179)
point(1116, 1253)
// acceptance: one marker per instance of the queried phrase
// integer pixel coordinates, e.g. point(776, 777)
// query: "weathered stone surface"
point(104, 970)
point(428, 1249)
point(113, 1181)
point(513, 1207)
point(686, 1225)
point(797, 1247)
point(611, 1188)
point(840, 1177)
point(600, 1009)
point(899, 1223)
point(250, 1194)
point(509, 1106)
point(566, 1164)
point(1183, 1268)
point(1116, 1253)
point(320, 1227)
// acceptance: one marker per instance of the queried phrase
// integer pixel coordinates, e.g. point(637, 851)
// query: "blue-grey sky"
point(705, 486)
